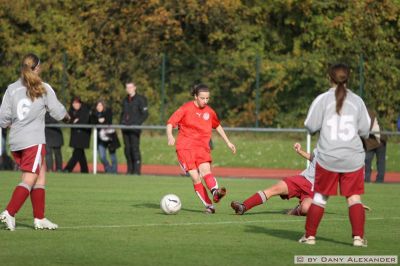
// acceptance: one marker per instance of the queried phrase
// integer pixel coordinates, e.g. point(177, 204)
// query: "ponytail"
point(340, 95)
point(30, 79)
point(198, 88)
point(339, 74)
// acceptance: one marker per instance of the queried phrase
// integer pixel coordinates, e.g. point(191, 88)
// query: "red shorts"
point(30, 159)
point(191, 159)
point(299, 187)
point(326, 182)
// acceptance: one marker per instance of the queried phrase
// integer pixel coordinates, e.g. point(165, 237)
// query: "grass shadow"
point(147, 205)
point(157, 206)
point(264, 212)
point(18, 225)
point(286, 234)
point(283, 212)
point(191, 210)
point(24, 225)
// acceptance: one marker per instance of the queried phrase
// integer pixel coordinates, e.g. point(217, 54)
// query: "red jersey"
point(195, 126)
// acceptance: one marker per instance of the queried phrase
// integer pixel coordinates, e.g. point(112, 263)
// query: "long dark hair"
point(30, 79)
point(339, 74)
point(198, 88)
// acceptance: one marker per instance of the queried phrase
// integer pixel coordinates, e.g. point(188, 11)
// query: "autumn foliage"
point(90, 47)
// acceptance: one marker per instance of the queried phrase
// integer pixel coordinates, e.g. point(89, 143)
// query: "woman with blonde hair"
point(23, 110)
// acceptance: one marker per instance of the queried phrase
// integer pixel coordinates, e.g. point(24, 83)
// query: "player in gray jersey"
point(299, 186)
point(23, 110)
point(341, 118)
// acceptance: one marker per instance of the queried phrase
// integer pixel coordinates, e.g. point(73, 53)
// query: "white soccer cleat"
point(359, 242)
point(307, 240)
point(8, 220)
point(44, 224)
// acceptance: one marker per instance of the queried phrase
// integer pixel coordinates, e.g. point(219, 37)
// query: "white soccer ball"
point(170, 204)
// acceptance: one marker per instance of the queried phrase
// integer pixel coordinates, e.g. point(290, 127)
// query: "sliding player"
point(299, 186)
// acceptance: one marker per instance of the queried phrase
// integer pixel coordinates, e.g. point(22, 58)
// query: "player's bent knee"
point(305, 205)
point(354, 199)
point(320, 200)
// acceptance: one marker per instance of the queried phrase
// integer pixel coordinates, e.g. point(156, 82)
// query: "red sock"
point(38, 202)
point(257, 199)
point(211, 182)
point(357, 219)
point(17, 199)
point(314, 216)
point(202, 193)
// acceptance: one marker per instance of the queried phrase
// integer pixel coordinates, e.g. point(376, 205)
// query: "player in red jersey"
point(195, 121)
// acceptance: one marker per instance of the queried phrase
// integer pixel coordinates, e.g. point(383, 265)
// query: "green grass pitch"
point(116, 220)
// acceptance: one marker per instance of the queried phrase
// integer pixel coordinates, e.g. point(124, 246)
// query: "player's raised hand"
point(297, 147)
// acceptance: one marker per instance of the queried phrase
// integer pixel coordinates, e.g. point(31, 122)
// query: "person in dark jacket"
point(3, 150)
point(3, 141)
point(80, 137)
point(54, 142)
point(375, 144)
point(134, 112)
point(106, 137)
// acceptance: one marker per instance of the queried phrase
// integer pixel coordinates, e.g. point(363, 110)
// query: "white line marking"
point(211, 223)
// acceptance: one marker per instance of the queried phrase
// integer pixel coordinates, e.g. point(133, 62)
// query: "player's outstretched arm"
point(297, 148)
point(221, 132)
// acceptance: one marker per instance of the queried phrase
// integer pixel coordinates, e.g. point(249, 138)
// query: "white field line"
point(208, 223)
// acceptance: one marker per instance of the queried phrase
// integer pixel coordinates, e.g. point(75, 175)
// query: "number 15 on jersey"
point(341, 127)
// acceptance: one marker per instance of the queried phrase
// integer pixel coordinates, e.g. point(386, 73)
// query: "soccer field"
point(116, 220)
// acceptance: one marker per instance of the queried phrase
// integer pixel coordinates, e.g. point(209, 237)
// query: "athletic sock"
point(38, 194)
point(257, 199)
point(357, 219)
point(202, 193)
point(21, 192)
point(211, 182)
point(314, 216)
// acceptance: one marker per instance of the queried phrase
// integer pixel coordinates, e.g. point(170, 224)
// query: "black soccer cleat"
point(218, 194)
point(239, 208)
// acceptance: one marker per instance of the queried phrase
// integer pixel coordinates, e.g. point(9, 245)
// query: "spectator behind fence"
point(3, 141)
point(6, 162)
point(375, 144)
point(80, 137)
point(134, 112)
point(398, 123)
point(106, 137)
point(54, 142)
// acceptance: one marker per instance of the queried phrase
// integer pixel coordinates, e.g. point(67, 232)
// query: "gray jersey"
point(26, 118)
point(309, 172)
point(339, 146)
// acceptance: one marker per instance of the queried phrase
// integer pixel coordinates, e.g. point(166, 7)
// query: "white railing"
point(157, 127)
